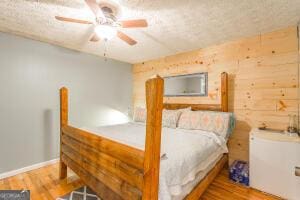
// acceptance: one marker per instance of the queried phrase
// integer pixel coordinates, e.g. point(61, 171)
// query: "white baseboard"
point(28, 168)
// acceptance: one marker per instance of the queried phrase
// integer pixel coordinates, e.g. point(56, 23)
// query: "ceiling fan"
point(106, 23)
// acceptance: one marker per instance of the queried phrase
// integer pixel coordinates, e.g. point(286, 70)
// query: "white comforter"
point(184, 152)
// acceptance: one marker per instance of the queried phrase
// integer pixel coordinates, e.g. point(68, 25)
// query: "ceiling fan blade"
point(126, 38)
point(134, 23)
point(94, 38)
point(95, 8)
point(66, 19)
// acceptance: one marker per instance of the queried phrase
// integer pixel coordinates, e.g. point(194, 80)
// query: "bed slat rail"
point(115, 184)
point(98, 186)
point(114, 166)
point(126, 154)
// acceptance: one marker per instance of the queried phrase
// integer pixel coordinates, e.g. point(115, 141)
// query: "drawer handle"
point(297, 171)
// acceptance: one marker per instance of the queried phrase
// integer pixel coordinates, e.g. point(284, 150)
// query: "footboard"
point(111, 169)
point(115, 170)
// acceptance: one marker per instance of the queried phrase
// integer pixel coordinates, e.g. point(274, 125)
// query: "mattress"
point(186, 155)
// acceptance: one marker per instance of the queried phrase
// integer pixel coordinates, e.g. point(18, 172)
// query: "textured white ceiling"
point(174, 25)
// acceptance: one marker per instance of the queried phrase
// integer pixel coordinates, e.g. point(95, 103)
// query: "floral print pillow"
point(217, 122)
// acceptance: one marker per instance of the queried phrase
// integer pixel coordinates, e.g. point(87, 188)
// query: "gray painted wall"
point(31, 74)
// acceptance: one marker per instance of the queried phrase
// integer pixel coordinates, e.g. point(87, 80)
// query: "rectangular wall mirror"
point(186, 85)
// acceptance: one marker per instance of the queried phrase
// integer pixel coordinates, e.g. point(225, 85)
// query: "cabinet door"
point(272, 167)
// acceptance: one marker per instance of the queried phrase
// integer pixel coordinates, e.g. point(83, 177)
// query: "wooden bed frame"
point(118, 171)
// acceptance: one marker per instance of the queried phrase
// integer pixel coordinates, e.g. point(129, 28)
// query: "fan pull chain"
point(105, 50)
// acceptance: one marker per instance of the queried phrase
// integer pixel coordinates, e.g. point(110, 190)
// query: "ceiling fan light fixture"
point(105, 32)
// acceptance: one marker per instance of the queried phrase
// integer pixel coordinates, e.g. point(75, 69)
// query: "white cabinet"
point(274, 158)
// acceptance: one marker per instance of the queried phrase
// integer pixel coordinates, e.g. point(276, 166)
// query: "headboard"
point(223, 106)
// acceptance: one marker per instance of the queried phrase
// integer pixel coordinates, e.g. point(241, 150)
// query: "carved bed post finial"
point(154, 102)
point(63, 122)
point(224, 92)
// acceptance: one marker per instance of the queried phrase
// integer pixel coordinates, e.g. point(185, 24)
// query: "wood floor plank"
point(44, 184)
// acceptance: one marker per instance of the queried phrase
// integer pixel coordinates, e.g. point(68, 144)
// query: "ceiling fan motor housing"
point(111, 11)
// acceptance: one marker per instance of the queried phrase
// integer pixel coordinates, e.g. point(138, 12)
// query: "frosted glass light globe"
point(105, 32)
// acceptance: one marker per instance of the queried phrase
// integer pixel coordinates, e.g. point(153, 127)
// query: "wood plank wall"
point(263, 80)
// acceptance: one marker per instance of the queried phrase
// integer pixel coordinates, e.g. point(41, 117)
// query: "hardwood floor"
point(223, 188)
point(43, 183)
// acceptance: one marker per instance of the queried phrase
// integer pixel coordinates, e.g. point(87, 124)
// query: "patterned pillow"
point(217, 122)
point(140, 115)
point(170, 118)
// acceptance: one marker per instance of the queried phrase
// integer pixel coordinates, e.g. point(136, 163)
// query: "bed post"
point(63, 122)
point(154, 102)
point(224, 92)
